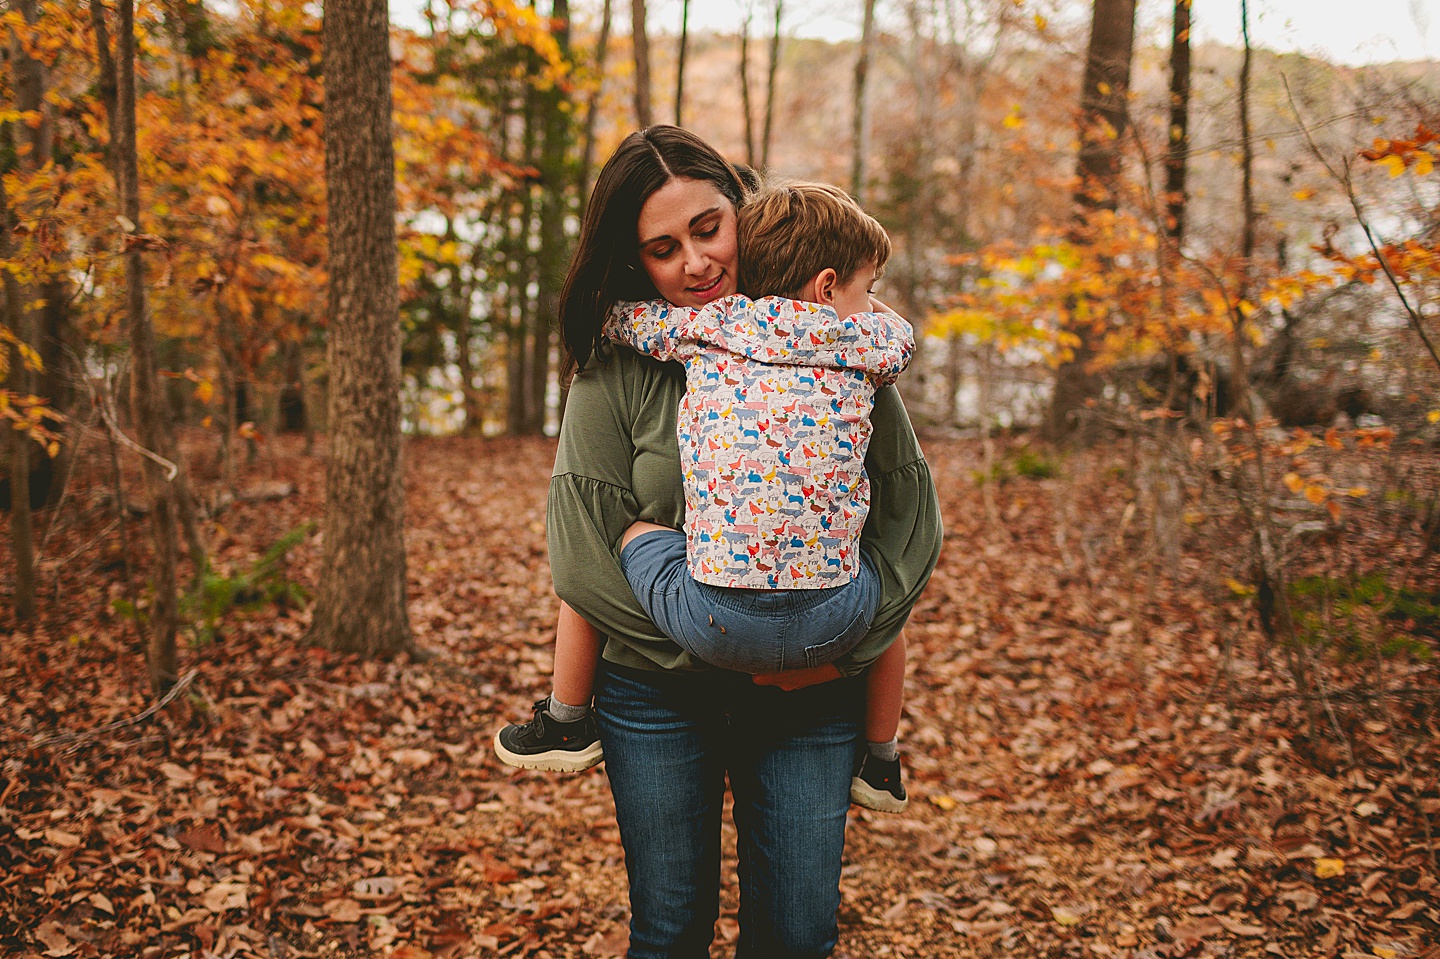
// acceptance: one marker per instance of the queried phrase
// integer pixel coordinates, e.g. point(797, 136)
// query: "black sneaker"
point(547, 743)
point(876, 784)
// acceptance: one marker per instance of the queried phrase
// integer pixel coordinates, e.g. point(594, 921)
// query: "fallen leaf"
point(177, 774)
point(54, 939)
point(1329, 868)
point(945, 802)
point(224, 896)
point(374, 887)
point(413, 758)
point(61, 838)
point(1238, 928)
point(343, 910)
point(1066, 917)
point(99, 901)
point(1224, 858)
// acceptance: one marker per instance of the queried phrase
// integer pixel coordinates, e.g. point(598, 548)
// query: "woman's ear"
point(824, 286)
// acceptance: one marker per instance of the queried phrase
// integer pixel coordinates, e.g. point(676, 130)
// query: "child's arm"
point(798, 333)
point(654, 327)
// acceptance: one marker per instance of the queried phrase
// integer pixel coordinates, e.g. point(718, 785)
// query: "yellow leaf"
point(1433, 416)
point(1329, 868)
point(1040, 22)
point(1013, 120)
point(1315, 493)
point(1294, 483)
point(204, 391)
point(1383, 952)
point(1424, 163)
point(1357, 491)
point(945, 802)
point(1103, 88)
point(1239, 588)
point(1393, 163)
point(1304, 194)
point(1064, 916)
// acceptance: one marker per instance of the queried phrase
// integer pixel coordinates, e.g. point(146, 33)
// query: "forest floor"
point(1103, 760)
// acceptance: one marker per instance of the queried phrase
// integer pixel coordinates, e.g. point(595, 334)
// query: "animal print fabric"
point(773, 431)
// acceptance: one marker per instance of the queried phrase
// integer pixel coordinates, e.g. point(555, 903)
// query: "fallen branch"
point(99, 731)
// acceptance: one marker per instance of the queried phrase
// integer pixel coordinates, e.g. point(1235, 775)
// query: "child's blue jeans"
point(748, 630)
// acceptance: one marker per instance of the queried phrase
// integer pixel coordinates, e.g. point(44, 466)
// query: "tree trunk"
point(860, 128)
point(29, 83)
point(641, 42)
point(360, 605)
point(292, 394)
point(1103, 119)
point(1247, 159)
point(553, 255)
point(680, 63)
point(1178, 156)
point(771, 70)
point(147, 397)
point(1103, 99)
point(592, 108)
point(745, 86)
point(22, 537)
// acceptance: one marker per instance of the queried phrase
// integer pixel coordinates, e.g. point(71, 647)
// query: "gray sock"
point(889, 752)
point(564, 711)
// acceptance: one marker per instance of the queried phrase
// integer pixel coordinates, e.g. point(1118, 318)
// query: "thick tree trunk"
point(1178, 157)
point(1103, 119)
point(860, 127)
point(680, 63)
point(1103, 102)
point(640, 40)
point(771, 71)
point(147, 397)
point(360, 605)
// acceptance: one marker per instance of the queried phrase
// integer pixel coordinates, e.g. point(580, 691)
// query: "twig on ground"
point(99, 731)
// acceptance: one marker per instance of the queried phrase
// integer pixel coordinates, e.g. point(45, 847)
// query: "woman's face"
point(687, 241)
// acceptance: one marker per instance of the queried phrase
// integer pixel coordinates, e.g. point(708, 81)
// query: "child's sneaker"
point(876, 784)
point(547, 743)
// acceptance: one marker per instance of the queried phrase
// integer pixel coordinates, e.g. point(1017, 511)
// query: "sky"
point(1342, 31)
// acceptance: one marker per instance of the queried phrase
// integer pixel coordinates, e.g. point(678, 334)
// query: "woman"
point(661, 223)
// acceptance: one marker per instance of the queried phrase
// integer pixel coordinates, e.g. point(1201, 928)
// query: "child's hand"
point(793, 679)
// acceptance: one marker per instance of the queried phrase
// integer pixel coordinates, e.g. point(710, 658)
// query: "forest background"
point(1177, 376)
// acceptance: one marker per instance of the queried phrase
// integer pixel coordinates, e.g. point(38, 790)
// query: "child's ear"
point(825, 283)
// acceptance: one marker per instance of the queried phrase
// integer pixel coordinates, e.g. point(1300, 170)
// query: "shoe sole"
point(555, 761)
point(863, 794)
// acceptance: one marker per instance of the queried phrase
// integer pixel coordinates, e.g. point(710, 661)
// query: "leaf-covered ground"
point(1102, 760)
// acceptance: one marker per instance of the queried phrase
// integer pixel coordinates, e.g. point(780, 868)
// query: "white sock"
point(564, 711)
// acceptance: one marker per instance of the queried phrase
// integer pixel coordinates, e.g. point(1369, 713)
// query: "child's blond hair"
point(791, 231)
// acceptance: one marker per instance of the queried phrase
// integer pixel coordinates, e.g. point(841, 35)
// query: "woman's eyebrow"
point(693, 220)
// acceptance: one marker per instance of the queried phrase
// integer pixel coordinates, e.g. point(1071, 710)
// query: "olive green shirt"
point(619, 461)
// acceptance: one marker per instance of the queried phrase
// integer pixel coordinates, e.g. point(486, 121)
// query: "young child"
point(768, 574)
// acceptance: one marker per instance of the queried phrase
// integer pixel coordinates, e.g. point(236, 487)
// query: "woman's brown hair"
point(606, 266)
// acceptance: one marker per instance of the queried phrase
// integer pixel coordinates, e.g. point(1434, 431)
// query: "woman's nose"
point(695, 261)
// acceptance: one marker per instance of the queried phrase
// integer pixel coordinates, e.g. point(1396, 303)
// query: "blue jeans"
point(749, 630)
point(670, 740)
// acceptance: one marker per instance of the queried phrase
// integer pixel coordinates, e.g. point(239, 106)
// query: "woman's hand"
point(792, 679)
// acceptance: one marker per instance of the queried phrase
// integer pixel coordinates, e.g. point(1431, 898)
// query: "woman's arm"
point(618, 462)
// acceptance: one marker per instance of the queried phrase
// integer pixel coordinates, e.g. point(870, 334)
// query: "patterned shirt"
point(773, 431)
